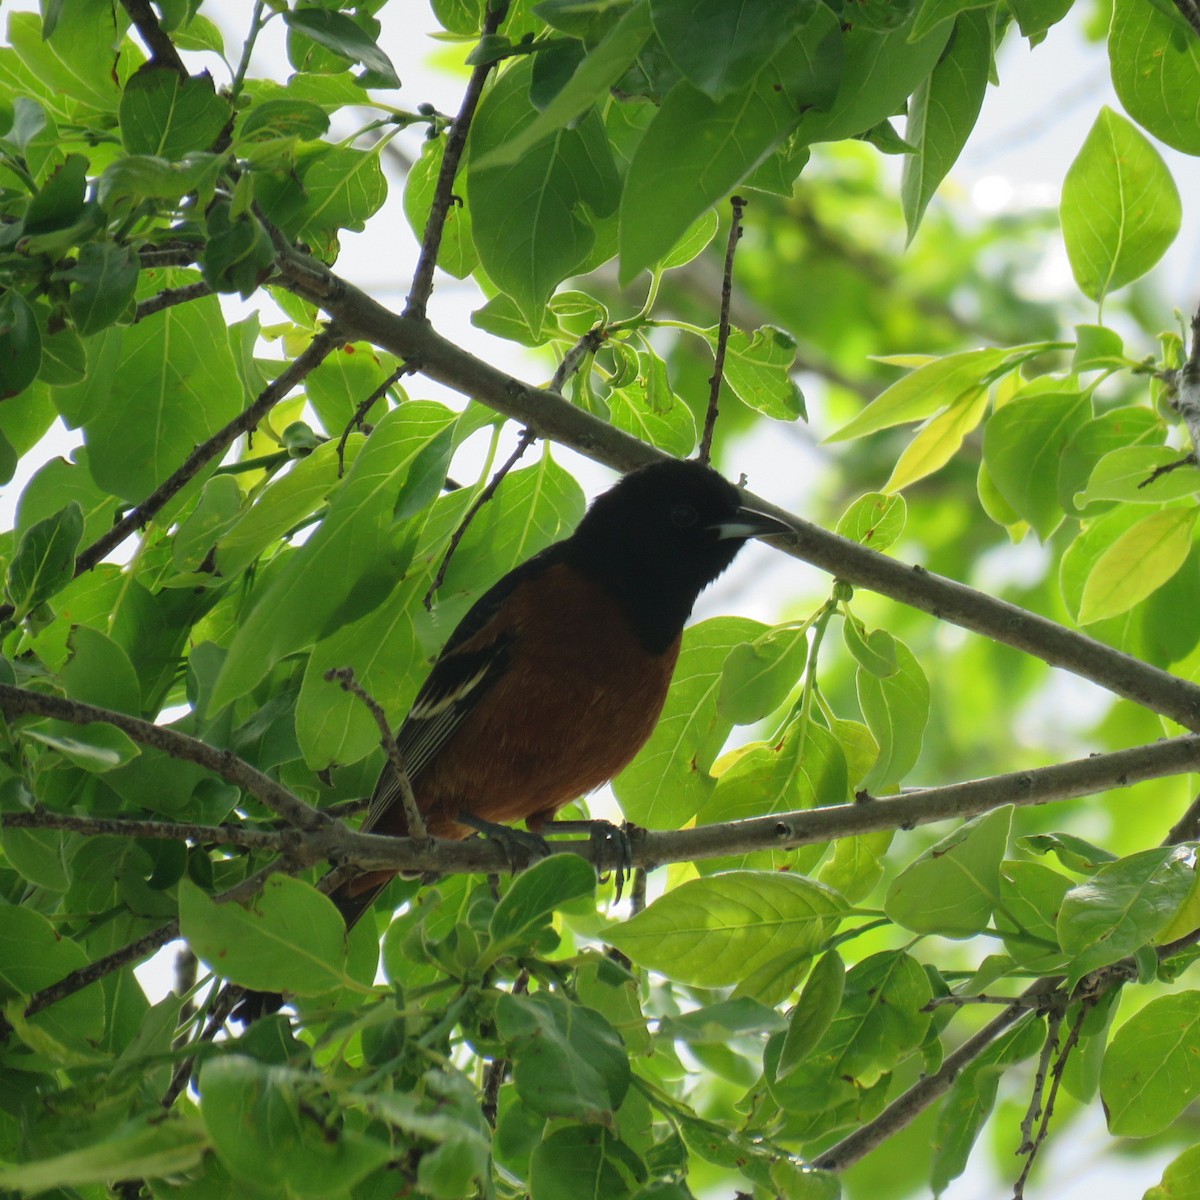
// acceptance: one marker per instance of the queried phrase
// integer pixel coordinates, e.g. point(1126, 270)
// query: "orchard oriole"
point(556, 676)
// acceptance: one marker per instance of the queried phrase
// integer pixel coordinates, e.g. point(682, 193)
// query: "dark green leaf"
point(20, 344)
point(337, 32)
point(167, 115)
point(45, 559)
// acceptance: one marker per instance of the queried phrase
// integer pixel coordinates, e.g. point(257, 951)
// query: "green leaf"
point(270, 120)
point(339, 385)
point(283, 503)
point(875, 650)
point(567, 1060)
point(672, 428)
point(696, 148)
point(103, 282)
point(1096, 348)
point(758, 371)
point(944, 108)
point(921, 393)
point(1030, 896)
point(262, 1129)
point(45, 559)
point(814, 1011)
point(534, 220)
point(589, 84)
point(288, 938)
point(757, 676)
point(1151, 1070)
point(337, 32)
point(1120, 207)
point(77, 61)
point(94, 747)
point(719, 45)
point(896, 709)
point(342, 187)
point(715, 931)
point(20, 344)
point(350, 564)
point(880, 1021)
point(1125, 474)
point(1113, 430)
point(1121, 907)
point(669, 781)
point(148, 1147)
point(875, 520)
point(536, 893)
point(175, 386)
point(938, 441)
point(59, 203)
point(1180, 1179)
point(580, 1161)
point(1022, 446)
point(34, 955)
point(1073, 852)
point(1156, 73)
point(1138, 563)
point(952, 888)
point(167, 115)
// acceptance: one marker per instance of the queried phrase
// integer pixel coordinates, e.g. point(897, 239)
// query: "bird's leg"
point(607, 840)
point(510, 839)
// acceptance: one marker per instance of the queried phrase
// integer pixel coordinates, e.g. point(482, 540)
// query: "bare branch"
point(20, 702)
point(173, 831)
point(549, 416)
point(169, 297)
point(443, 192)
point(718, 376)
point(573, 359)
point(162, 49)
point(925, 1091)
point(1054, 1018)
point(321, 345)
point(1031, 1147)
point(360, 413)
point(523, 444)
point(345, 677)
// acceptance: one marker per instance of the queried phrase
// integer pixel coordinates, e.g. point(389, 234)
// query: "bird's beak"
point(747, 523)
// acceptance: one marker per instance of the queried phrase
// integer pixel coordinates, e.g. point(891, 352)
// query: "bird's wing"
point(470, 663)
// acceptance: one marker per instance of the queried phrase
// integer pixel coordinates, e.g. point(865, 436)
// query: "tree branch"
point(549, 416)
point(325, 838)
point(162, 49)
point(279, 841)
point(20, 702)
point(169, 297)
point(443, 192)
point(714, 391)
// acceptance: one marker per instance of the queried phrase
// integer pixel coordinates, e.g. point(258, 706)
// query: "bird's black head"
point(659, 537)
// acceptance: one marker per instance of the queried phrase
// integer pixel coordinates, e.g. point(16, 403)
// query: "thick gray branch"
point(550, 416)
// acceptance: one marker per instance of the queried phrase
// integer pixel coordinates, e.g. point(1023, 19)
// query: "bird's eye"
point(684, 516)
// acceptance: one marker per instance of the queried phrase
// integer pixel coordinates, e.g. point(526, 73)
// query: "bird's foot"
point(608, 842)
point(519, 845)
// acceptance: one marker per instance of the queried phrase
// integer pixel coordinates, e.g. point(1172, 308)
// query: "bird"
point(556, 676)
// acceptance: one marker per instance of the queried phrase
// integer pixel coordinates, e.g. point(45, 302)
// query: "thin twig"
point(443, 192)
point(523, 443)
point(20, 702)
point(1060, 1066)
point(1054, 1017)
point(360, 413)
point(1188, 460)
point(1187, 828)
point(318, 349)
point(499, 1067)
point(923, 1093)
point(710, 417)
point(956, 1001)
point(162, 49)
point(344, 677)
point(550, 416)
point(169, 297)
point(573, 359)
point(173, 831)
